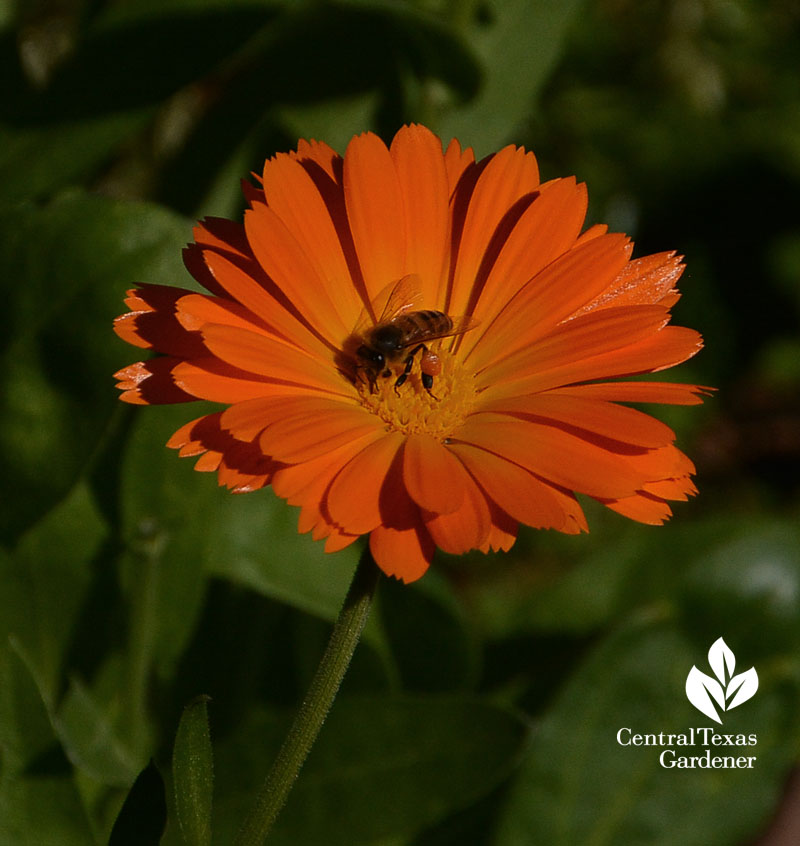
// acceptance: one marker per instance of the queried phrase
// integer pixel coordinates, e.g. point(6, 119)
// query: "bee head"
point(371, 356)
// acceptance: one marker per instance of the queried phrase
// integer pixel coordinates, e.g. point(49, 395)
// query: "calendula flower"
point(420, 347)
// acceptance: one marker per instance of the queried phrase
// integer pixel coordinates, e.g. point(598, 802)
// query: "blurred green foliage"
point(483, 705)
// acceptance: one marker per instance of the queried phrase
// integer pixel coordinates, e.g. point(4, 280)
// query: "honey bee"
point(402, 331)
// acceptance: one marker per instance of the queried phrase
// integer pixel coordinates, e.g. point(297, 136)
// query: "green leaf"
point(39, 800)
point(38, 160)
point(91, 740)
point(143, 816)
point(46, 582)
point(579, 785)
point(518, 42)
point(193, 773)
point(380, 767)
point(76, 256)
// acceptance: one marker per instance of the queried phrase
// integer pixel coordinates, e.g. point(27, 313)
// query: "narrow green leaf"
point(143, 816)
point(193, 773)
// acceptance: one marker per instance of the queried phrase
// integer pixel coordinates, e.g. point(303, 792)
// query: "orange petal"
point(679, 489)
point(224, 235)
point(668, 393)
point(152, 382)
point(422, 179)
point(666, 462)
point(582, 351)
point(502, 532)
point(601, 418)
point(284, 260)
point(518, 492)
point(552, 296)
point(266, 356)
point(210, 379)
point(319, 153)
point(193, 311)
point(650, 279)
point(375, 211)
point(594, 231)
point(466, 528)
point(434, 477)
point(456, 161)
point(263, 303)
point(337, 540)
point(403, 553)
point(301, 437)
point(293, 195)
point(151, 323)
point(510, 175)
point(305, 483)
point(560, 457)
point(642, 508)
point(545, 230)
point(354, 498)
point(208, 462)
point(249, 418)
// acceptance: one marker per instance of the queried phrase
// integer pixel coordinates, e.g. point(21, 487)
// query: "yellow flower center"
point(409, 408)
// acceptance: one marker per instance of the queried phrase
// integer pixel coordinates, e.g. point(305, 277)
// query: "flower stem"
point(316, 705)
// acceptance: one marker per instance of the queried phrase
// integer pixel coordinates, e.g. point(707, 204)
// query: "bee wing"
point(401, 296)
point(397, 297)
point(460, 324)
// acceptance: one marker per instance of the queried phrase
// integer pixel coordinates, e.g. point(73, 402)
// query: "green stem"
point(315, 707)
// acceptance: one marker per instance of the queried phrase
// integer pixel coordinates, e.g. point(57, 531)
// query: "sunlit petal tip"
point(420, 347)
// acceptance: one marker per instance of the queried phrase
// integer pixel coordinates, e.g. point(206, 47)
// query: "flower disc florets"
point(412, 409)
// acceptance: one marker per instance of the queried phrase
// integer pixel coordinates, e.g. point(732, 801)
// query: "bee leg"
point(409, 362)
point(427, 383)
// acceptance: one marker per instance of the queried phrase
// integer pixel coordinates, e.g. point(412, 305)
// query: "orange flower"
point(499, 424)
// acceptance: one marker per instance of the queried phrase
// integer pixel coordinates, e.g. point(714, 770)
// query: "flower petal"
point(519, 493)
point(282, 257)
point(209, 378)
point(293, 195)
point(403, 553)
point(302, 437)
point(650, 279)
point(552, 296)
point(546, 229)
point(467, 527)
point(263, 355)
point(354, 497)
point(671, 393)
point(456, 161)
point(601, 418)
point(422, 179)
point(509, 176)
point(375, 211)
point(560, 457)
point(261, 297)
point(434, 477)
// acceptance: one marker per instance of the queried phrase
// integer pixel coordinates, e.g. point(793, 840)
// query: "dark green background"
point(483, 705)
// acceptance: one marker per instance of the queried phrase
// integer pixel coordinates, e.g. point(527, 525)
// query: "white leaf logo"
point(727, 690)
